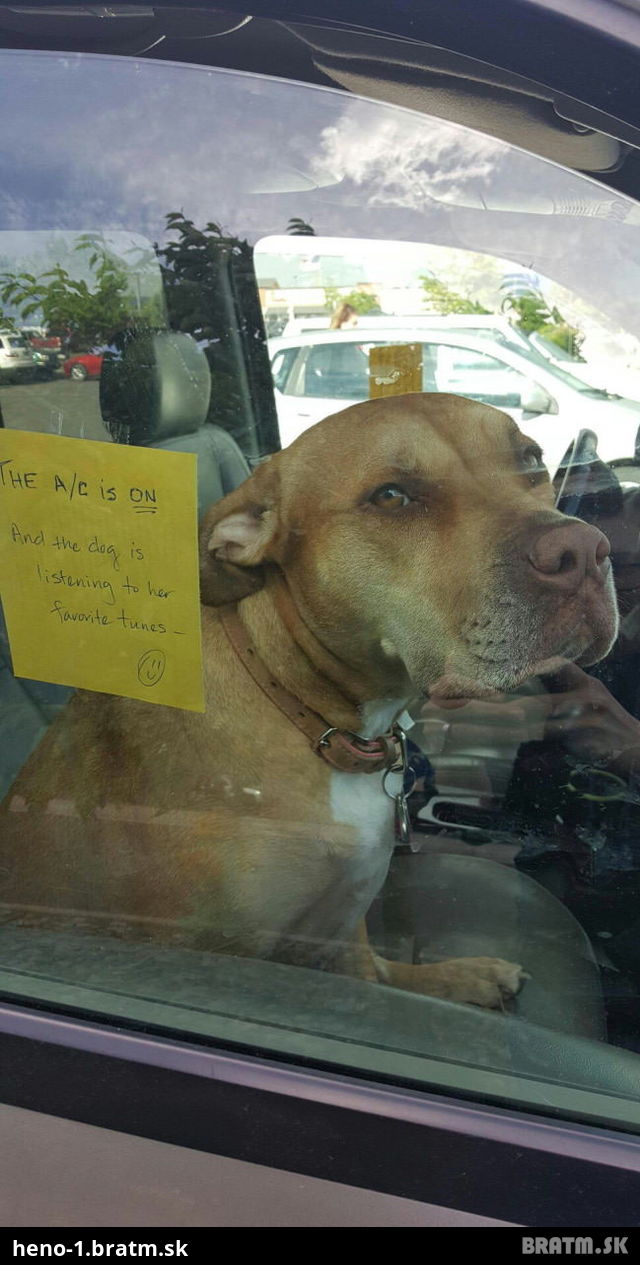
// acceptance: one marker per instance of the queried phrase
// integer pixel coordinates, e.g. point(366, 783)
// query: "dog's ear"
point(238, 538)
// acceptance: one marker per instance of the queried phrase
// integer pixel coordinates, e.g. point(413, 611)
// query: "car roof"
point(479, 338)
point(591, 79)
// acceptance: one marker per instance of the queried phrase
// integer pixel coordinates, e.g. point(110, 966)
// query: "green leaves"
point(87, 313)
point(534, 316)
point(357, 299)
point(440, 298)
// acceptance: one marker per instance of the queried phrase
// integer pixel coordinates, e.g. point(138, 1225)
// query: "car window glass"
point(281, 367)
point(205, 269)
point(341, 371)
point(479, 377)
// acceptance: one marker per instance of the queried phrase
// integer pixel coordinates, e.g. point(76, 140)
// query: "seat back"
point(155, 391)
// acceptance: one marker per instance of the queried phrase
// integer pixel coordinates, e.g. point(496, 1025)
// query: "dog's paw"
point(488, 982)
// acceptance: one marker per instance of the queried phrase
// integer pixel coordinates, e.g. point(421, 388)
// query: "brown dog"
point(402, 542)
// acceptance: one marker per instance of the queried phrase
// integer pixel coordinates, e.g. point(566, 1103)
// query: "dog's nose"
point(565, 553)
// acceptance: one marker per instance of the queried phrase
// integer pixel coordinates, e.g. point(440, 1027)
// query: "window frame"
point(494, 1162)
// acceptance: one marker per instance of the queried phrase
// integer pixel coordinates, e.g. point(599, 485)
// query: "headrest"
point(586, 486)
point(154, 385)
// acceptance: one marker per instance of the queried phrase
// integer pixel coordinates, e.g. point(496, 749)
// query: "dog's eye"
point(390, 496)
point(531, 464)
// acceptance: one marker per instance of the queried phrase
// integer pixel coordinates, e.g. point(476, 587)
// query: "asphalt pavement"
point(59, 407)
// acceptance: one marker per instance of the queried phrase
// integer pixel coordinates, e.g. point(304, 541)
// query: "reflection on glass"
point(172, 281)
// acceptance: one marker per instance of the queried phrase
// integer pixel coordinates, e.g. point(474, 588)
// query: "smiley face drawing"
point(151, 666)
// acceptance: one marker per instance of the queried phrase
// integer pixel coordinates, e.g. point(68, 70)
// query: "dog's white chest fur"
point(359, 800)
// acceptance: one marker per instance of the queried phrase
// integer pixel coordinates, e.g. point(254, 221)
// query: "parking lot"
point(59, 407)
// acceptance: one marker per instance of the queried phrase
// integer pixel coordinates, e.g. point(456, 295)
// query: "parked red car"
point(86, 364)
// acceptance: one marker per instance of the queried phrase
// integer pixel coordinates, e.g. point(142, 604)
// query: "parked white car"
point(17, 360)
point(320, 372)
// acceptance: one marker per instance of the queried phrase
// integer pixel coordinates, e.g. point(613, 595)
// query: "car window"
point(341, 370)
point(281, 366)
point(477, 376)
point(383, 813)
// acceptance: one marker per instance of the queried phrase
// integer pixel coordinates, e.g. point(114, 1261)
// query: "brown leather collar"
point(343, 750)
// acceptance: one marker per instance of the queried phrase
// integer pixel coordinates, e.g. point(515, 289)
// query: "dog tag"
point(403, 821)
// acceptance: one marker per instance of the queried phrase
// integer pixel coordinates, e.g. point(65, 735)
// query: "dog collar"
point(343, 750)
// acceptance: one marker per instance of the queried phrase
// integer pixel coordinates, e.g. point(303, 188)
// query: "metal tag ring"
point(394, 795)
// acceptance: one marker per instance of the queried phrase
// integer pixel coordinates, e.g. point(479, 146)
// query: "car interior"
point(477, 879)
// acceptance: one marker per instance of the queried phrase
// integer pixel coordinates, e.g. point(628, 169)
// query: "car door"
point(324, 378)
point(295, 412)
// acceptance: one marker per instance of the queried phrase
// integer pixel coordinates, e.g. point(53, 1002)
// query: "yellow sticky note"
point(99, 566)
point(395, 369)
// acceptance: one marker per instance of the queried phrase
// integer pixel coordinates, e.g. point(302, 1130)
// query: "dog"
point(403, 542)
